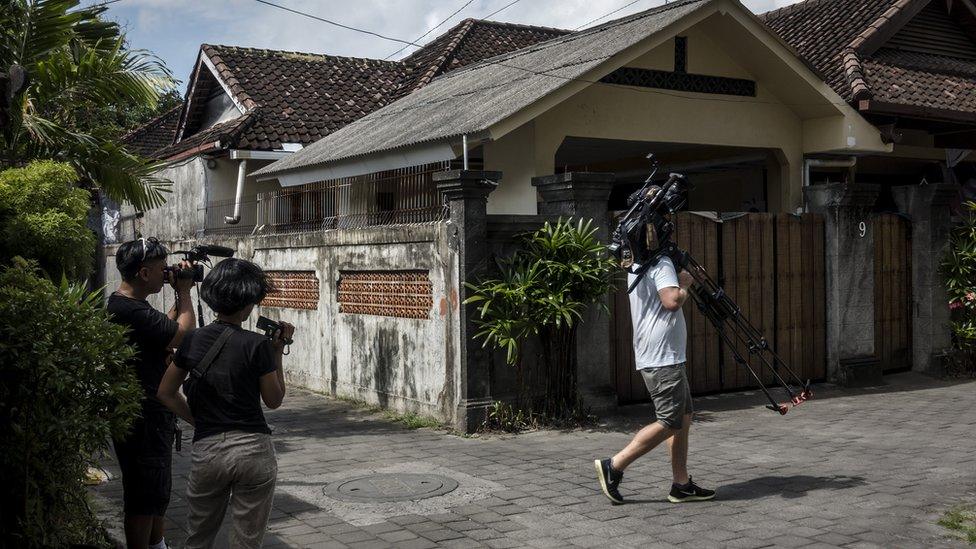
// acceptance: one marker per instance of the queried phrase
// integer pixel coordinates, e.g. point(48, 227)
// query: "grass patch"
point(412, 421)
point(961, 520)
point(408, 420)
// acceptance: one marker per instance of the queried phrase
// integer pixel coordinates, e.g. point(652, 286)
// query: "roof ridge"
point(463, 29)
point(517, 25)
point(322, 55)
point(799, 6)
point(886, 19)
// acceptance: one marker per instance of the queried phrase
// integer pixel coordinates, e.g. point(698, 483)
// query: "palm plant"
point(542, 291)
point(74, 59)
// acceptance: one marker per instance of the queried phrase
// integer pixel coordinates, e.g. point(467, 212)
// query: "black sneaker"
point(609, 480)
point(689, 492)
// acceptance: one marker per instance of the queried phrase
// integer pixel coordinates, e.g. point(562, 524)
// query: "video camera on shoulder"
point(195, 256)
point(271, 329)
point(646, 229)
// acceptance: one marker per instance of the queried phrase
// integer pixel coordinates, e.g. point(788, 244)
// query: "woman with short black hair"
point(231, 370)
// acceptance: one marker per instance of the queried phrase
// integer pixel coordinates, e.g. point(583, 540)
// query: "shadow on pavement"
point(792, 486)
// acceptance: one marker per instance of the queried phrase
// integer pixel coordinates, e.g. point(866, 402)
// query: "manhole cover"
point(380, 488)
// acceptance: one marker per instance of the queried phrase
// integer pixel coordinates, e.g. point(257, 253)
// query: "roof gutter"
point(206, 147)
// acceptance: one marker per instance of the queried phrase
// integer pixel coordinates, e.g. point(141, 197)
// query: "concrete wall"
point(409, 365)
point(194, 185)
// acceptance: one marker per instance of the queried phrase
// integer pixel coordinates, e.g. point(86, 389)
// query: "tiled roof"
point(470, 41)
point(226, 133)
point(302, 97)
point(845, 40)
point(153, 135)
point(894, 83)
point(460, 103)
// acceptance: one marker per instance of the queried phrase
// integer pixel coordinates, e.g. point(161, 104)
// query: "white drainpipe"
point(809, 163)
point(239, 196)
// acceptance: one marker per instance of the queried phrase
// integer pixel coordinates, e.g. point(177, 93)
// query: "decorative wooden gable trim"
point(680, 79)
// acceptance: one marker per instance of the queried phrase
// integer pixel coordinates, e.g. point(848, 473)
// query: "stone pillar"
point(466, 193)
point(585, 195)
point(849, 287)
point(928, 208)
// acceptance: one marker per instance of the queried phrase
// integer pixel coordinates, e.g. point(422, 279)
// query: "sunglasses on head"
point(145, 241)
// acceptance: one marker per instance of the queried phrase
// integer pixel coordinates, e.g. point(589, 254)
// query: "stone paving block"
point(397, 536)
point(859, 482)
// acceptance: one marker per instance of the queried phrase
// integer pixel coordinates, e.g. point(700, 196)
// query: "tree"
point(542, 291)
point(959, 269)
point(74, 61)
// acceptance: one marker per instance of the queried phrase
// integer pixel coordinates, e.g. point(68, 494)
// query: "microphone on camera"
point(214, 250)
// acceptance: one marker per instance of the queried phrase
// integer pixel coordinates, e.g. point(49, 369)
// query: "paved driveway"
point(854, 468)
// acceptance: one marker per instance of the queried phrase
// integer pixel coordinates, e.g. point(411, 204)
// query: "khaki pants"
point(235, 467)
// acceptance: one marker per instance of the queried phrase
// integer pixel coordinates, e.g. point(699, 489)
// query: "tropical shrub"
point(959, 270)
point(542, 291)
point(43, 216)
point(65, 387)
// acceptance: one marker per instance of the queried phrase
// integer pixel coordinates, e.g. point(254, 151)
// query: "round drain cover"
point(379, 488)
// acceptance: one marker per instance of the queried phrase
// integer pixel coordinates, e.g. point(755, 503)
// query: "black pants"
point(146, 458)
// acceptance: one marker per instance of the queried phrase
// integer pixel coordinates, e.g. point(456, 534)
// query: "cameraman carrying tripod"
point(659, 346)
point(145, 454)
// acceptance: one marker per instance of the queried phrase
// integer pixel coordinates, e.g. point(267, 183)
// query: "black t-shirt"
point(228, 398)
point(150, 332)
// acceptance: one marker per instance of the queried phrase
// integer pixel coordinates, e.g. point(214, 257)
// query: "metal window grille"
point(216, 211)
point(402, 196)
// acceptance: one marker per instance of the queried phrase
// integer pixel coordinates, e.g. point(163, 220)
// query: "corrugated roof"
point(472, 99)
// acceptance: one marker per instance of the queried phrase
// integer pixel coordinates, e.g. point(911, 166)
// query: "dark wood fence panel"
point(747, 276)
point(800, 336)
point(772, 266)
point(699, 237)
point(892, 292)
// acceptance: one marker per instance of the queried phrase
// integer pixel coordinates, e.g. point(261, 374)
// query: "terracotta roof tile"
point(841, 38)
point(153, 135)
point(303, 97)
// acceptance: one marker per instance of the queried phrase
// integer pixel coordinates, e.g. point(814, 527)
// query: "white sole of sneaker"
point(673, 499)
point(603, 482)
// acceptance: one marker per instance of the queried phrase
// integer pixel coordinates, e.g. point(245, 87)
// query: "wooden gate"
point(893, 292)
point(772, 266)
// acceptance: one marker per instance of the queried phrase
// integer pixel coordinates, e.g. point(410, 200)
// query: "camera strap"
point(201, 369)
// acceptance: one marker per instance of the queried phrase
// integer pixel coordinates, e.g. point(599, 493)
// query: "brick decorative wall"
point(402, 294)
point(293, 289)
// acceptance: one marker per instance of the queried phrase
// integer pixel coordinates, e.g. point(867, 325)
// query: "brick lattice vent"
point(293, 290)
point(402, 294)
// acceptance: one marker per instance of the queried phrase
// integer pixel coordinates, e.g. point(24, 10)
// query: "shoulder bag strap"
point(201, 369)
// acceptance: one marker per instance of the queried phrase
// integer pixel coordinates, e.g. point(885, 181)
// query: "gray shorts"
point(670, 393)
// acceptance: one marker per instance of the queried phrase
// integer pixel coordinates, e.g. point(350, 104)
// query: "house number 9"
point(863, 228)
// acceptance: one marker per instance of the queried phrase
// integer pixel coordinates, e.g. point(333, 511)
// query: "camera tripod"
point(734, 328)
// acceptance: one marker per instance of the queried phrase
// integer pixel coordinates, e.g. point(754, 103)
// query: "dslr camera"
point(270, 328)
point(195, 256)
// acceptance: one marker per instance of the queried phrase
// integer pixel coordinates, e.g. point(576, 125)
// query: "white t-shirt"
point(660, 335)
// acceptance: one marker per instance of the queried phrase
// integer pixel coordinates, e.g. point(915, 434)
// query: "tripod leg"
point(736, 354)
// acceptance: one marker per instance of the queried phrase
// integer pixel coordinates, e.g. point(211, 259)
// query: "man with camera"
point(229, 371)
point(145, 454)
point(659, 347)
